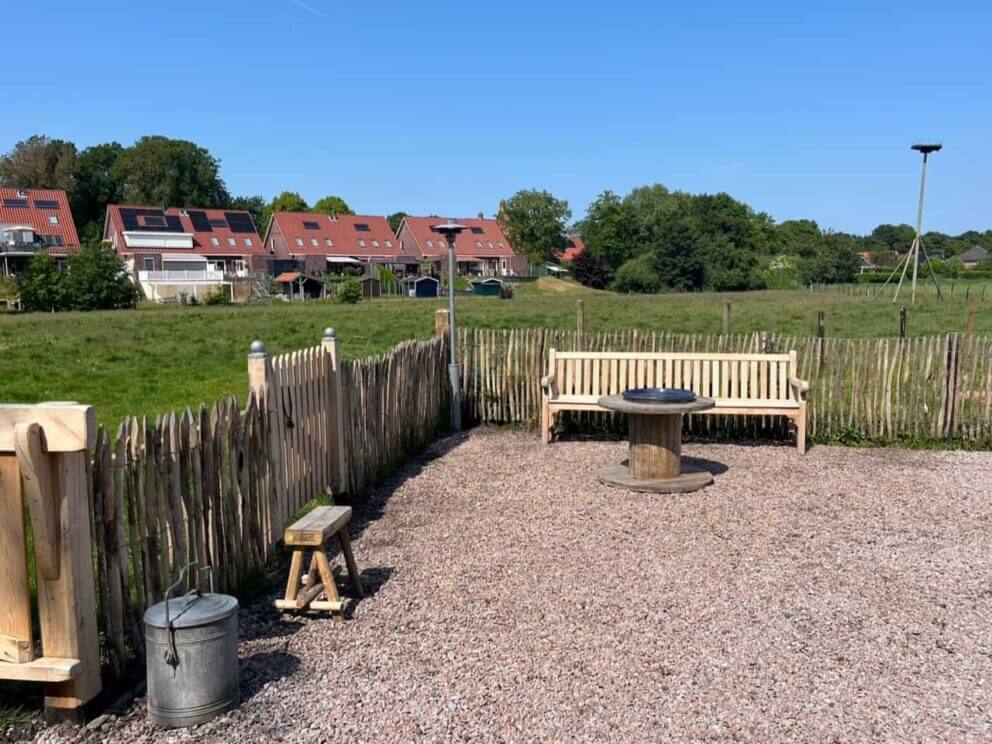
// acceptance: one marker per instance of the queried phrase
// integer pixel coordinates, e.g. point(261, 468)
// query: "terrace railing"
point(179, 277)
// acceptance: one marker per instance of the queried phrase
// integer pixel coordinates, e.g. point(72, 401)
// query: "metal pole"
point(456, 401)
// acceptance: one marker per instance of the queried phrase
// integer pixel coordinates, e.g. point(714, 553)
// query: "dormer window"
point(430, 243)
point(248, 243)
point(299, 242)
point(214, 241)
point(329, 243)
point(232, 242)
point(490, 244)
point(478, 243)
point(53, 219)
point(314, 243)
point(375, 243)
point(361, 243)
point(389, 243)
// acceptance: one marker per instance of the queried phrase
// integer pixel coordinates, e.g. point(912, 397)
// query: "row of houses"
point(184, 250)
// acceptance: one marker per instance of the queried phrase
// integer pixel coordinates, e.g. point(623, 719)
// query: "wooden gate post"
point(441, 323)
point(335, 412)
point(45, 452)
point(260, 383)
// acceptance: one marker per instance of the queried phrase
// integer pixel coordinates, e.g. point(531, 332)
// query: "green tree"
point(41, 285)
point(96, 279)
point(797, 237)
point(835, 261)
point(891, 238)
point(255, 206)
point(287, 201)
point(534, 222)
point(331, 205)
point(349, 291)
point(609, 231)
point(95, 188)
point(39, 163)
point(395, 220)
point(673, 242)
point(161, 171)
point(637, 275)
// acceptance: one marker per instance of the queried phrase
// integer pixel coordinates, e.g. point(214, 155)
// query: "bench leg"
point(295, 574)
point(349, 559)
point(327, 579)
point(801, 430)
point(547, 423)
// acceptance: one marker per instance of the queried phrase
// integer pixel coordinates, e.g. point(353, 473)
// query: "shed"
point(371, 287)
point(490, 287)
point(423, 286)
point(971, 258)
point(299, 285)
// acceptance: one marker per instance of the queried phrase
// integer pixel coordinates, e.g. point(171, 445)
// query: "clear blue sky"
point(801, 111)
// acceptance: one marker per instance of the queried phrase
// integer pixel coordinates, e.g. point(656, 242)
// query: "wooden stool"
point(320, 592)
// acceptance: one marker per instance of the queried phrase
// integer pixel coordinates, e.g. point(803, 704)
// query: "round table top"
point(617, 403)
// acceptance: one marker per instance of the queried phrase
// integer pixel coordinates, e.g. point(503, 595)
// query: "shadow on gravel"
point(265, 621)
point(261, 668)
point(372, 581)
point(714, 467)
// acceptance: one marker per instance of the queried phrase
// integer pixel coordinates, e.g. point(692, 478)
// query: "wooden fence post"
point(441, 323)
point(902, 325)
point(726, 317)
point(260, 383)
point(970, 324)
point(335, 412)
point(821, 333)
point(52, 443)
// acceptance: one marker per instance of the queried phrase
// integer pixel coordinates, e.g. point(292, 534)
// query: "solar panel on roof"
point(478, 230)
point(174, 223)
point(46, 204)
point(199, 221)
point(155, 221)
point(240, 222)
point(130, 219)
point(311, 226)
point(217, 222)
point(362, 227)
point(15, 202)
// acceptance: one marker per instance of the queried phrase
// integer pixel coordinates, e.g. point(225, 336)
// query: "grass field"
point(162, 358)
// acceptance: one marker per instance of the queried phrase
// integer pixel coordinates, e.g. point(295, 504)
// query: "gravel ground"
point(844, 596)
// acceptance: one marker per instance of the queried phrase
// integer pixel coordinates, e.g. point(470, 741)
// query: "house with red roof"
point(481, 250)
point(573, 248)
point(34, 221)
point(322, 243)
point(174, 252)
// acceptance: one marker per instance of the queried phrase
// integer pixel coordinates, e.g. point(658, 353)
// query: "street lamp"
point(450, 230)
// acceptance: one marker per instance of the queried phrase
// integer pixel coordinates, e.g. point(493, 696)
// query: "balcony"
point(180, 277)
point(23, 249)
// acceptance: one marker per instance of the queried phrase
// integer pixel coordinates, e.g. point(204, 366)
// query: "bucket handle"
point(171, 653)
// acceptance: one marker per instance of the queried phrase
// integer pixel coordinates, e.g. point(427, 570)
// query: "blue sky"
point(801, 111)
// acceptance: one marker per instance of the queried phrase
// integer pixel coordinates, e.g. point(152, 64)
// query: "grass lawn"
point(162, 358)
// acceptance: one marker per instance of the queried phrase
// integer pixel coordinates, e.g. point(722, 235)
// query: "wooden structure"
point(371, 287)
point(43, 464)
point(740, 384)
point(317, 590)
point(300, 286)
point(491, 287)
point(655, 463)
point(422, 286)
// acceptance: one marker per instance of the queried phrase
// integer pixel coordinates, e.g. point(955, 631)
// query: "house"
point(34, 221)
point(573, 248)
point(481, 250)
point(974, 256)
point(175, 252)
point(866, 262)
point(321, 243)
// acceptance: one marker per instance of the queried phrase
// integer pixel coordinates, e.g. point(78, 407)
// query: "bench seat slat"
point(314, 528)
point(721, 403)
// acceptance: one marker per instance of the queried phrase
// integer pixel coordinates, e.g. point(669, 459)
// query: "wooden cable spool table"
point(655, 464)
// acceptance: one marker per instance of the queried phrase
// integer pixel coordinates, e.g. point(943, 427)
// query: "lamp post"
point(450, 230)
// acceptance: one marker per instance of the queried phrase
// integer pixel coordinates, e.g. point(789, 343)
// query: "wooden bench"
point(741, 384)
point(317, 590)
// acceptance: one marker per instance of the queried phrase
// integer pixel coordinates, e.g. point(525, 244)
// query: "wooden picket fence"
point(933, 388)
point(217, 485)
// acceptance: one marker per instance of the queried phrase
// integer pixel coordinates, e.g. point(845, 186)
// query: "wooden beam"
point(15, 611)
point(46, 669)
point(68, 427)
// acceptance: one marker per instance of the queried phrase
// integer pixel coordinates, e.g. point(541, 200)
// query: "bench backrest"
point(733, 376)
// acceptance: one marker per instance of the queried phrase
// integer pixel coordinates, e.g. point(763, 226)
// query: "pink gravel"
point(841, 596)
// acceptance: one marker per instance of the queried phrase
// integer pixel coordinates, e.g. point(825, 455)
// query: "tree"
point(395, 220)
point(287, 201)
point(797, 237)
point(896, 238)
point(41, 285)
point(673, 242)
point(349, 291)
point(255, 206)
point(638, 275)
point(728, 267)
point(160, 171)
point(39, 163)
point(609, 231)
point(331, 205)
point(96, 279)
point(534, 222)
point(590, 270)
point(835, 261)
point(95, 188)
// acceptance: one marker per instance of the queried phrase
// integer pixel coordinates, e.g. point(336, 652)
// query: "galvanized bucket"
point(192, 656)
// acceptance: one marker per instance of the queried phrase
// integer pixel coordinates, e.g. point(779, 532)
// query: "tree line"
point(652, 239)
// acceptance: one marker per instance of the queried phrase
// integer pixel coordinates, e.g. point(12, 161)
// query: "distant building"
point(320, 243)
point(866, 263)
point(174, 252)
point(34, 221)
point(573, 248)
point(482, 250)
point(974, 256)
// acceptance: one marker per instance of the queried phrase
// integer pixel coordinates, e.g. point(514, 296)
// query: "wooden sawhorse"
point(318, 590)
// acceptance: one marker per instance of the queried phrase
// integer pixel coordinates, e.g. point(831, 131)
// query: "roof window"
point(311, 225)
point(362, 227)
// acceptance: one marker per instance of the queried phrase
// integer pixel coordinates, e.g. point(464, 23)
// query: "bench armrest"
point(801, 387)
point(549, 387)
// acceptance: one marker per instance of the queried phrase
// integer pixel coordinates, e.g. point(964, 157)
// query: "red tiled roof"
point(202, 243)
point(574, 247)
point(482, 238)
point(341, 230)
point(38, 219)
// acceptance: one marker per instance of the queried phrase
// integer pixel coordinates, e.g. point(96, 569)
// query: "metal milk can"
point(191, 645)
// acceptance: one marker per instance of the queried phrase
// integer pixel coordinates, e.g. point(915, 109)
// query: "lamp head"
point(927, 148)
point(448, 229)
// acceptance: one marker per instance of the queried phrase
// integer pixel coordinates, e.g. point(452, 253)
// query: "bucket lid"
point(189, 612)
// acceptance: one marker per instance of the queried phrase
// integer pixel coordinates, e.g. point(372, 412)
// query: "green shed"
point(490, 287)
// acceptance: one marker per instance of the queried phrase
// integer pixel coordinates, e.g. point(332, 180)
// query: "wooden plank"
point(15, 611)
point(68, 427)
point(46, 669)
point(15, 650)
point(315, 527)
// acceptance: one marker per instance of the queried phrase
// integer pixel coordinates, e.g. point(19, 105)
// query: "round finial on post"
point(330, 333)
point(257, 348)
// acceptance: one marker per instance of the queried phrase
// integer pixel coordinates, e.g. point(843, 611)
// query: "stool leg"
point(327, 577)
point(349, 558)
point(295, 572)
